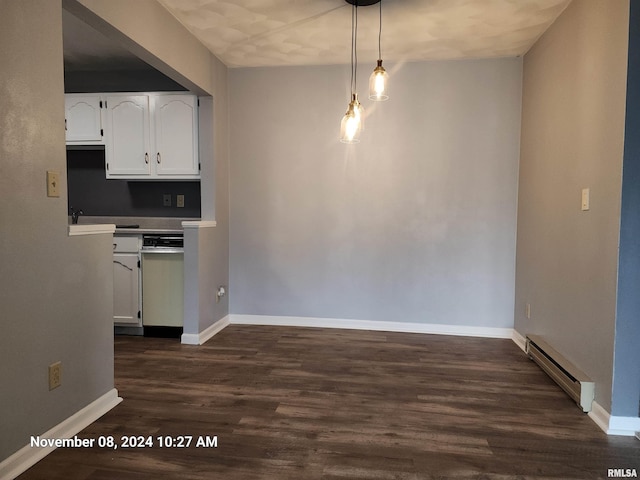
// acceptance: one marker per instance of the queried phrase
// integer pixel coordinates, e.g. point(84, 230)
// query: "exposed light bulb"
point(353, 122)
point(379, 84)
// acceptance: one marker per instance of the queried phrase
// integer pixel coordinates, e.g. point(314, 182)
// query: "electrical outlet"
point(53, 184)
point(55, 375)
point(222, 291)
point(180, 201)
point(166, 200)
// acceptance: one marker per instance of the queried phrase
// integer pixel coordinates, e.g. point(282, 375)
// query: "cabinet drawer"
point(129, 243)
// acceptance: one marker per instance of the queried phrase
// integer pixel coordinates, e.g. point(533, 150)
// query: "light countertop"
point(146, 225)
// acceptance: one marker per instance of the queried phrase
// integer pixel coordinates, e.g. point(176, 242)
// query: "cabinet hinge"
point(139, 314)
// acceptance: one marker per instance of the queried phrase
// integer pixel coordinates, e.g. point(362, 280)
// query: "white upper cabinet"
point(176, 139)
point(128, 139)
point(152, 136)
point(83, 119)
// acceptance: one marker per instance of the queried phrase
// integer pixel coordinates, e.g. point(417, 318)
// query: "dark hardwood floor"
point(296, 403)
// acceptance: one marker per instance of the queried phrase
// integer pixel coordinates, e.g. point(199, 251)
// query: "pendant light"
point(379, 79)
point(353, 120)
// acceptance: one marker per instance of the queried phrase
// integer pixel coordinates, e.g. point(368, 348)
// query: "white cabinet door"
point(176, 135)
point(83, 119)
point(127, 151)
point(126, 282)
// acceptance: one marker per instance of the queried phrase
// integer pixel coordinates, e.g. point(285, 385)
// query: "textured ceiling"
point(250, 33)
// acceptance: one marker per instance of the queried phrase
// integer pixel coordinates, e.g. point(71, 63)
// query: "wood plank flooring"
point(297, 403)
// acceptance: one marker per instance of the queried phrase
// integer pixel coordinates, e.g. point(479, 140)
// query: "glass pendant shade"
point(353, 122)
point(379, 84)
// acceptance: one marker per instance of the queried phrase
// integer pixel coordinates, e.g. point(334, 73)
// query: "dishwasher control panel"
point(162, 242)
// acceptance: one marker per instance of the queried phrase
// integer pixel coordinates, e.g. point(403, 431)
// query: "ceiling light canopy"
point(362, 3)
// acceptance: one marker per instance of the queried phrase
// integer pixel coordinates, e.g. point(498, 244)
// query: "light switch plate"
point(53, 184)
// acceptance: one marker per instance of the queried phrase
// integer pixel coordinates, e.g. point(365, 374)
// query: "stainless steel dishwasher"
point(162, 282)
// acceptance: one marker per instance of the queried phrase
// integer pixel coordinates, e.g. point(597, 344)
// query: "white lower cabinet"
point(127, 306)
point(126, 296)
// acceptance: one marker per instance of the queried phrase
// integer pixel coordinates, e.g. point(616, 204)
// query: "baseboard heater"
point(573, 381)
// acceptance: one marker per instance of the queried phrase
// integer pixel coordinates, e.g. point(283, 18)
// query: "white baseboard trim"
point(428, 328)
point(28, 456)
point(613, 425)
point(206, 334)
point(600, 416)
point(519, 340)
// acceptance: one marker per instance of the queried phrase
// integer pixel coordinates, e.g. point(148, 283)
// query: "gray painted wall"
point(626, 380)
point(118, 81)
point(55, 291)
point(416, 223)
point(89, 190)
point(572, 138)
point(214, 243)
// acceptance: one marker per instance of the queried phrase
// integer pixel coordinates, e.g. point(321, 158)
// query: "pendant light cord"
point(354, 47)
point(355, 51)
point(352, 23)
point(380, 34)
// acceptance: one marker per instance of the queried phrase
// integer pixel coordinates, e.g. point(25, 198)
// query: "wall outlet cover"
point(55, 375)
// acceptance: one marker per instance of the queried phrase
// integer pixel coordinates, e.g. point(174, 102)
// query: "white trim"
point(206, 334)
point(600, 416)
point(199, 223)
point(97, 229)
point(519, 340)
point(627, 426)
point(429, 328)
point(612, 425)
point(27, 456)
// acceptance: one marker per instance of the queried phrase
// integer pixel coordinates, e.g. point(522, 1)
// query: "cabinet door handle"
point(65, 124)
point(120, 263)
point(158, 158)
point(146, 158)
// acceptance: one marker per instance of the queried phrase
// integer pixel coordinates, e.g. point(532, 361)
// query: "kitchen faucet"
point(74, 215)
